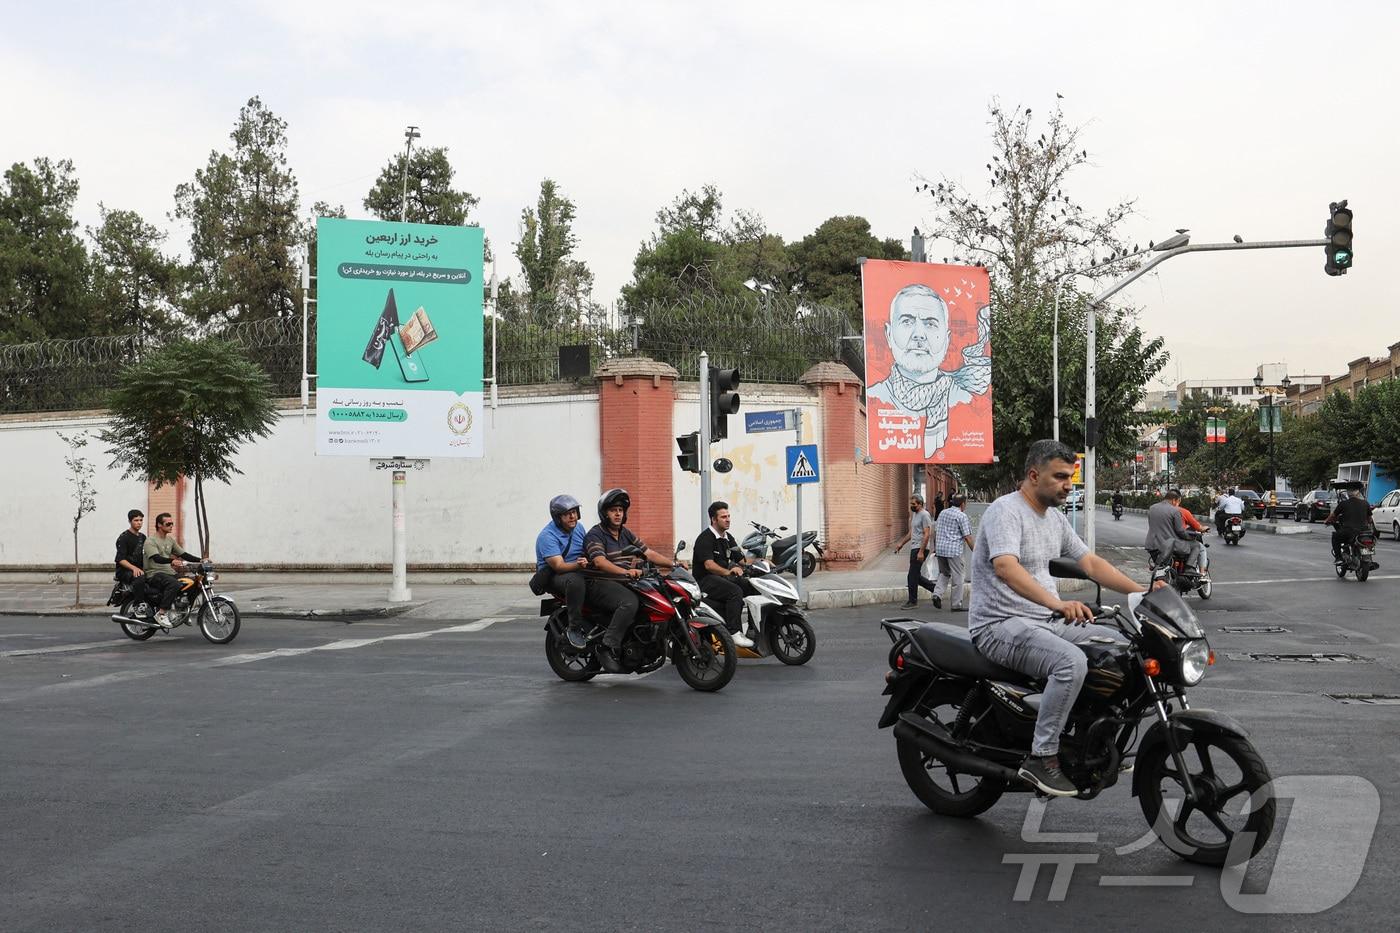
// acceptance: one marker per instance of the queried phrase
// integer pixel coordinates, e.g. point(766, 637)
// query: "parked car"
point(1315, 506)
point(1287, 505)
point(1387, 514)
point(1253, 505)
point(1075, 500)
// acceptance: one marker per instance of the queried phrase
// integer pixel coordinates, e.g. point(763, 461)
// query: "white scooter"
point(773, 620)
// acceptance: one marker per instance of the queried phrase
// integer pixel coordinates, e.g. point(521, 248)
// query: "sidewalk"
point(330, 596)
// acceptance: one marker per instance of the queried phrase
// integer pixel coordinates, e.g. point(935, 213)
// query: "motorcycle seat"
point(782, 544)
point(951, 648)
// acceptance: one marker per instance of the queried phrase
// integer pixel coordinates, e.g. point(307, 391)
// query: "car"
point(1287, 505)
point(1315, 505)
point(1387, 514)
point(1075, 500)
point(1253, 505)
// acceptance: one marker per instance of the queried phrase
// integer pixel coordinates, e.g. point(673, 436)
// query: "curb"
point(1281, 527)
point(877, 595)
point(341, 615)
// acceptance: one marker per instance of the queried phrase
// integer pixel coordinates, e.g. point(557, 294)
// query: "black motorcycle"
point(1232, 530)
point(1355, 555)
point(963, 725)
point(1117, 511)
point(1178, 576)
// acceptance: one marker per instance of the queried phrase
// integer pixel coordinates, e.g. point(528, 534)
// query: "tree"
point(184, 410)
point(1305, 458)
point(44, 268)
point(431, 197)
point(1377, 423)
point(1027, 231)
point(132, 279)
point(557, 288)
point(245, 231)
point(80, 472)
point(826, 262)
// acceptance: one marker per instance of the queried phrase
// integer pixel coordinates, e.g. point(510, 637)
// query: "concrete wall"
point(37, 504)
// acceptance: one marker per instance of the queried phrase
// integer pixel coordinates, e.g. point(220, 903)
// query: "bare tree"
point(80, 471)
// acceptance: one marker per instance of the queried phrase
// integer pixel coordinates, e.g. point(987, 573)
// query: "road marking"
point(1298, 580)
point(55, 649)
point(346, 643)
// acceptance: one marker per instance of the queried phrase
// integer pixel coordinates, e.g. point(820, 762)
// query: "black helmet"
point(612, 498)
point(561, 505)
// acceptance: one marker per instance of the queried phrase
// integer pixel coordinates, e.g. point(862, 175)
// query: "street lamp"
point(1270, 408)
point(409, 134)
point(763, 288)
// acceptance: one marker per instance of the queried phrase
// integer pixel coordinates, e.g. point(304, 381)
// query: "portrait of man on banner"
point(928, 363)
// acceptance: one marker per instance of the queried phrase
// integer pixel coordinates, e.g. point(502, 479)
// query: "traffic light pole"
point(1090, 388)
point(704, 439)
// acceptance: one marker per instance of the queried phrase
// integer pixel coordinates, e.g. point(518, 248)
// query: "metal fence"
point(768, 341)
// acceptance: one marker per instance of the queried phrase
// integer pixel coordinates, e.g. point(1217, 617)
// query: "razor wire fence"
point(775, 340)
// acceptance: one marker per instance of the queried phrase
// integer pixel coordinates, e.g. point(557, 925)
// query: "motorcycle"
point(1178, 577)
point(1357, 556)
point(785, 550)
point(672, 623)
point(217, 615)
point(1233, 530)
point(1117, 511)
point(772, 619)
point(962, 726)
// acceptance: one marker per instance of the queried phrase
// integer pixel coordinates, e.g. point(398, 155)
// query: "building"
point(1158, 400)
point(1238, 390)
point(1360, 373)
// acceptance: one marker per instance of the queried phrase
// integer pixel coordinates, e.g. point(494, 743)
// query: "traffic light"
point(689, 458)
point(1338, 235)
point(724, 401)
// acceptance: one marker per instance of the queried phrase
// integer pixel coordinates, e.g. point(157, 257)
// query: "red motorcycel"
point(672, 623)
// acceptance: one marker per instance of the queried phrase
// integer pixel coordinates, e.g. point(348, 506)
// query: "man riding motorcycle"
point(720, 573)
point(1168, 535)
point(1349, 517)
point(559, 549)
point(603, 546)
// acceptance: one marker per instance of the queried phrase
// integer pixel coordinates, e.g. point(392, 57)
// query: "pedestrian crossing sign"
point(802, 465)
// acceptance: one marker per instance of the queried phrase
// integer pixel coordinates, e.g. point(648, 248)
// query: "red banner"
point(928, 362)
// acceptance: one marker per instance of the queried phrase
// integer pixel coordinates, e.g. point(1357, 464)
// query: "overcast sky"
point(1223, 117)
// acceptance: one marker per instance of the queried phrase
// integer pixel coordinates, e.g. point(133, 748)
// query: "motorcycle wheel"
point(809, 564)
point(134, 632)
point(712, 671)
point(1363, 571)
point(1205, 589)
point(792, 639)
point(942, 790)
point(574, 668)
point(219, 620)
point(1229, 767)
point(1341, 571)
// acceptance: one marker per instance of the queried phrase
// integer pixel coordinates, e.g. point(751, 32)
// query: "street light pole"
point(410, 134)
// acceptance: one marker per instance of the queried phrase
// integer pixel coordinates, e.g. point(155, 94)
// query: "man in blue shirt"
point(560, 548)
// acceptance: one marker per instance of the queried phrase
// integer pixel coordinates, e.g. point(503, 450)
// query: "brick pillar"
point(849, 523)
point(636, 396)
point(168, 498)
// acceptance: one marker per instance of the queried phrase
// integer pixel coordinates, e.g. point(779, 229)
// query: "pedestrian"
point(920, 531)
point(937, 505)
point(952, 531)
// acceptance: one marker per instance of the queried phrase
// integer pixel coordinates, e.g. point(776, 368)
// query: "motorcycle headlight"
point(690, 588)
point(1195, 658)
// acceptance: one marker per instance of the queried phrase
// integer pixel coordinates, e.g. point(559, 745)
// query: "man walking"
point(952, 531)
point(920, 531)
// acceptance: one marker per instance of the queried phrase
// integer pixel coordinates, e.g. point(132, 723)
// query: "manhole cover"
point(1322, 657)
point(1366, 699)
point(1253, 629)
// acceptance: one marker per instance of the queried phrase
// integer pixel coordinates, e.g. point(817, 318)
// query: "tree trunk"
point(77, 583)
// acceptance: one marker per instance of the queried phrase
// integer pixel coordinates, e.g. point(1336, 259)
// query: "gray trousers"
point(1047, 649)
point(951, 569)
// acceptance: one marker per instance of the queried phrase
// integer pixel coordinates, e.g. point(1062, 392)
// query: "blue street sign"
point(802, 465)
point(756, 422)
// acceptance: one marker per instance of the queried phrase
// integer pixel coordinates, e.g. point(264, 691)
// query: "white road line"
point(345, 643)
point(55, 649)
point(1298, 580)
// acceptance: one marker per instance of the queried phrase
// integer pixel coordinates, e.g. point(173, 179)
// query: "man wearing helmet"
point(560, 548)
point(603, 547)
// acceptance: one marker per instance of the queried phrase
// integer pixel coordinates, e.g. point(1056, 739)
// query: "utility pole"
point(410, 134)
point(704, 439)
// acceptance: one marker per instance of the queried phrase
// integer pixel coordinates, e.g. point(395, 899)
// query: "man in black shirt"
point(603, 547)
point(130, 549)
point(1350, 517)
point(720, 576)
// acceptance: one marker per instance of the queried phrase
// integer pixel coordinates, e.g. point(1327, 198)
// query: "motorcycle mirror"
point(723, 465)
point(782, 527)
point(680, 545)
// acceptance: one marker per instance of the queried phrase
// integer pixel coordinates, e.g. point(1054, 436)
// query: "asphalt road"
point(424, 776)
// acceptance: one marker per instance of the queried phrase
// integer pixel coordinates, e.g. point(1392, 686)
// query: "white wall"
point(36, 495)
point(291, 507)
point(756, 489)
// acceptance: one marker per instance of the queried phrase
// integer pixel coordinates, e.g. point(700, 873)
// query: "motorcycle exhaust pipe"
point(926, 737)
point(127, 620)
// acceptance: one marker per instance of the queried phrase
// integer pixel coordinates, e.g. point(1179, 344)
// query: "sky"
point(1222, 117)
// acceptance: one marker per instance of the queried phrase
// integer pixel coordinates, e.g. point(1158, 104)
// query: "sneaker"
point(742, 640)
point(959, 609)
point(1044, 775)
point(937, 601)
point(163, 620)
point(607, 657)
point(576, 637)
point(910, 606)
